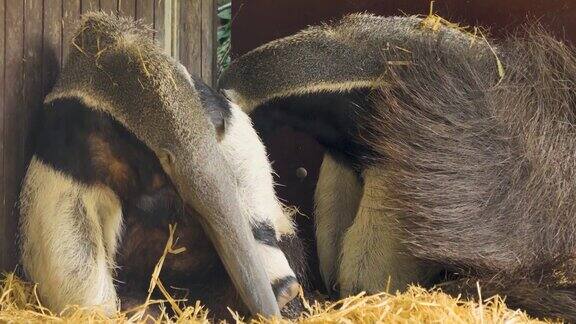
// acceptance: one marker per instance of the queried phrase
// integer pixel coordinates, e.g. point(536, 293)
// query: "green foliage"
point(224, 35)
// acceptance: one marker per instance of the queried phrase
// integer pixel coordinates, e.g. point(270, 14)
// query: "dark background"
point(255, 22)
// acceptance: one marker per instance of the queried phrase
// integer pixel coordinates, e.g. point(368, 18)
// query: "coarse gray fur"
point(466, 169)
point(352, 53)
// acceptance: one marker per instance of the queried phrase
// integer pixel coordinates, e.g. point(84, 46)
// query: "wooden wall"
point(256, 22)
point(34, 40)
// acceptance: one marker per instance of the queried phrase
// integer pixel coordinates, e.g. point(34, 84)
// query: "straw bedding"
point(19, 302)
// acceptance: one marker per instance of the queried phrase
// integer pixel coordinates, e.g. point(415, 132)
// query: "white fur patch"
point(69, 237)
point(338, 193)
point(275, 263)
point(247, 156)
point(373, 257)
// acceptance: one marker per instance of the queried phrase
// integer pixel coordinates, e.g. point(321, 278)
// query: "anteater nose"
point(285, 290)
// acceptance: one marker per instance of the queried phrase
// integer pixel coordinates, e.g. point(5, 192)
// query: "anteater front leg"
point(246, 154)
point(336, 200)
point(373, 256)
point(69, 238)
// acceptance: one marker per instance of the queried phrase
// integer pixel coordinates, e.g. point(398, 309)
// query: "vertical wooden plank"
point(174, 26)
point(159, 16)
point(127, 8)
point(145, 12)
point(190, 35)
point(4, 241)
point(32, 89)
point(70, 13)
point(52, 52)
point(33, 50)
point(90, 5)
point(109, 6)
point(12, 118)
point(209, 42)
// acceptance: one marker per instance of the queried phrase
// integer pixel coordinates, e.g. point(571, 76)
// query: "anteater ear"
point(353, 53)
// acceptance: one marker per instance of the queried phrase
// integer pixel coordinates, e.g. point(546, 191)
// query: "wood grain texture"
point(159, 16)
point(13, 108)
point(33, 52)
point(32, 85)
point(70, 14)
point(209, 43)
point(190, 35)
point(127, 8)
point(109, 6)
point(90, 5)
point(4, 249)
point(52, 48)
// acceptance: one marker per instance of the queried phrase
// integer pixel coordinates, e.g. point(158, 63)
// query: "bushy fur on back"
point(116, 67)
point(345, 55)
point(482, 171)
